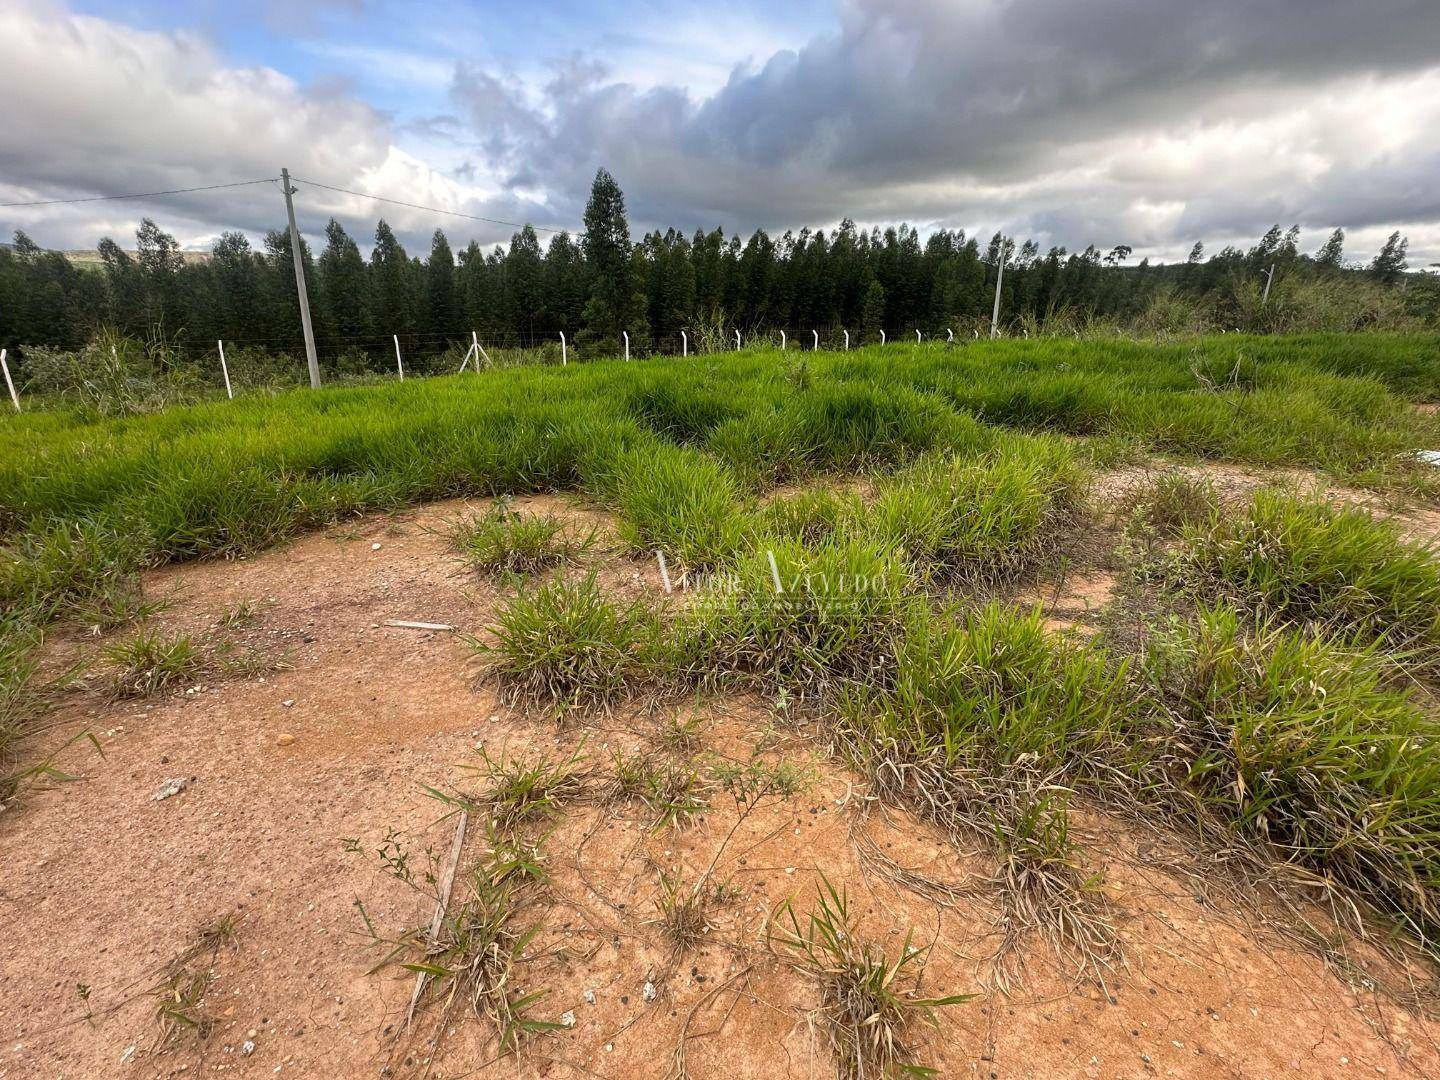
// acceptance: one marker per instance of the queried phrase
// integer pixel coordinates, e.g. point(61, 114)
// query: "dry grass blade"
point(181, 1008)
point(1040, 880)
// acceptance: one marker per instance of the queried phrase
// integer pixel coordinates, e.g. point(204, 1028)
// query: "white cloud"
point(1153, 125)
point(96, 107)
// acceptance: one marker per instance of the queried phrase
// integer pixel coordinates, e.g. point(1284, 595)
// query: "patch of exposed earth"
point(104, 884)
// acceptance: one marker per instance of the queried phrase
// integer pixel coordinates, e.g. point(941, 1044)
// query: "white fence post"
point(847, 339)
point(949, 336)
point(14, 397)
point(737, 340)
point(684, 343)
point(882, 337)
point(917, 337)
point(224, 370)
point(400, 367)
point(817, 338)
point(562, 348)
point(782, 340)
point(626, 335)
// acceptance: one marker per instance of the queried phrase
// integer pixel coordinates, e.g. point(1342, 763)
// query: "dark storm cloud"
point(911, 102)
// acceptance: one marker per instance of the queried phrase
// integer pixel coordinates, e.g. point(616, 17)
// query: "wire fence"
point(428, 352)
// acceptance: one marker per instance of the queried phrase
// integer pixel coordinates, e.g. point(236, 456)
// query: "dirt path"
point(103, 884)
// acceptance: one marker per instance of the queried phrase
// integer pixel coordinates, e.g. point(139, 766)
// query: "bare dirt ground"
point(103, 884)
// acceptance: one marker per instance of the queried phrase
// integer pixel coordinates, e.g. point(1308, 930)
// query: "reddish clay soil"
point(103, 885)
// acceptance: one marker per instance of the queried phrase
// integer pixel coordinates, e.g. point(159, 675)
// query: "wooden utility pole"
point(1269, 277)
point(310, 357)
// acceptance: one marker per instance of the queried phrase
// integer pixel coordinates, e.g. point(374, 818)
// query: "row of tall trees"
point(603, 283)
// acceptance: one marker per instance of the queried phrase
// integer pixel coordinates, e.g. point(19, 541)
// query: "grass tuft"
point(863, 1009)
point(503, 542)
point(181, 1006)
point(673, 793)
point(519, 791)
point(1338, 569)
point(150, 662)
point(1300, 743)
point(567, 646)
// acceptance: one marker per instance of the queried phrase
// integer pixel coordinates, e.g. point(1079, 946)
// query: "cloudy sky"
point(1148, 122)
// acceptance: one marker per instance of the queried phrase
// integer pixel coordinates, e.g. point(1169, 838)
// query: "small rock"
point(289, 701)
point(127, 1053)
point(172, 786)
point(374, 547)
point(567, 1019)
point(648, 992)
point(285, 739)
point(247, 1047)
point(589, 997)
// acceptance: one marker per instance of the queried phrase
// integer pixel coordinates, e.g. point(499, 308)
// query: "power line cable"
point(144, 194)
point(271, 180)
point(417, 206)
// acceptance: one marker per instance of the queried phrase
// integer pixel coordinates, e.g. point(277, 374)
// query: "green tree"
point(442, 307)
point(343, 287)
point(872, 312)
point(1332, 252)
point(525, 285)
point(237, 287)
point(615, 302)
point(1390, 264)
point(567, 284)
point(391, 297)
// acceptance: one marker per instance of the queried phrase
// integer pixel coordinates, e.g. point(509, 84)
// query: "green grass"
point(150, 662)
point(865, 1009)
point(1286, 732)
point(801, 620)
point(1339, 568)
point(968, 520)
point(506, 543)
point(519, 791)
point(680, 501)
point(567, 646)
point(1301, 742)
point(987, 687)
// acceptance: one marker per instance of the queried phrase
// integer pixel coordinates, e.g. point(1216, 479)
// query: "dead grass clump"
point(1043, 885)
point(181, 1008)
point(1041, 881)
